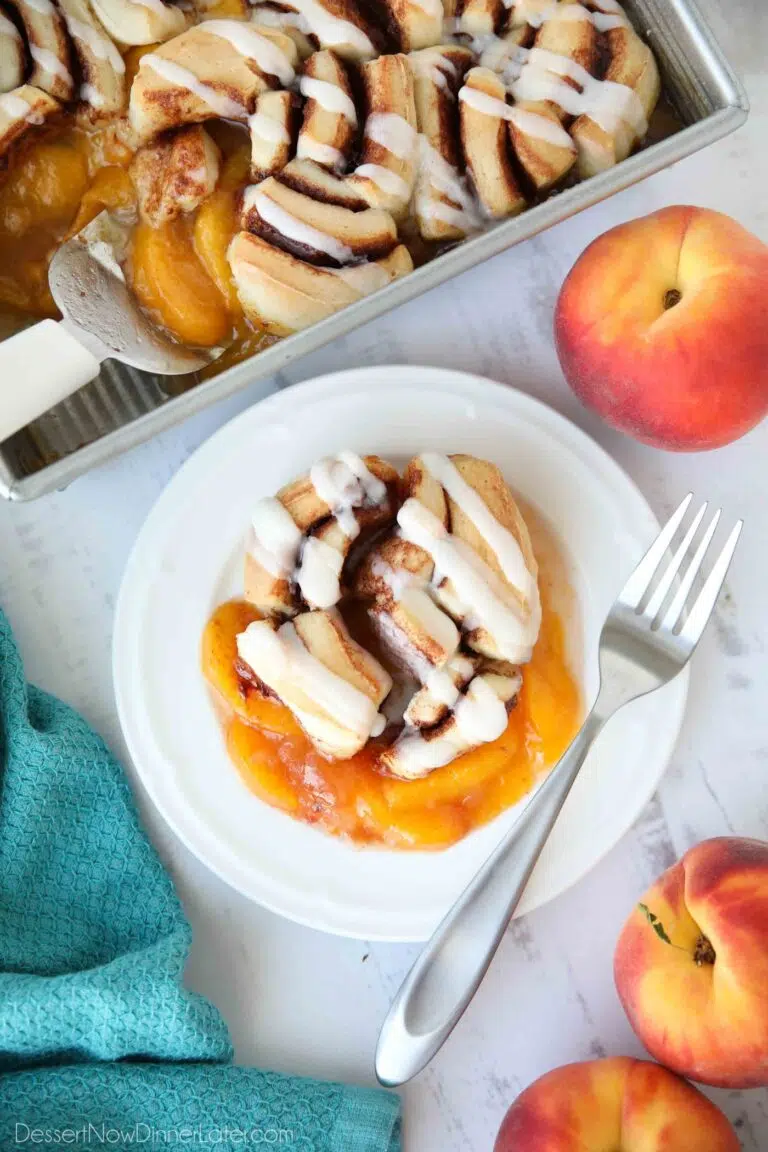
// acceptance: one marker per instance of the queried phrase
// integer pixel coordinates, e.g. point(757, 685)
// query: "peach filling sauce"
point(62, 175)
point(355, 799)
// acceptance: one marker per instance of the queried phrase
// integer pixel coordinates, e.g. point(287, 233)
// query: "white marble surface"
point(303, 1002)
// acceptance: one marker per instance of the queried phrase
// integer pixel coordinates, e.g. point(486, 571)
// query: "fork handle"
point(40, 366)
point(442, 982)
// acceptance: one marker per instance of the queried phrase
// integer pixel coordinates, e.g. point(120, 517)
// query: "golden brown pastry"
point(136, 23)
point(419, 23)
point(386, 173)
point(322, 233)
point(329, 125)
point(175, 173)
point(12, 59)
point(330, 683)
point(285, 294)
point(481, 549)
point(444, 207)
point(215, 70)
point(48, 47)
point(21, 109)
point(632, 64)
point(453, 597)
point(101, 67)
point(484, 137)
point(336, 24)
point(271, 132)
point(478, 716)
point(301, 538)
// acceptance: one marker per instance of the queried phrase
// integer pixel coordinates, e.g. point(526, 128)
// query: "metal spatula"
point(49, 361)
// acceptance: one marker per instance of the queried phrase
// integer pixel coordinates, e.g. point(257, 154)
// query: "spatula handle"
point(39, 367)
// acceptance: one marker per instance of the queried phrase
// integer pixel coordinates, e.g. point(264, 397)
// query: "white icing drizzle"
point(269, 58)
point(330, 97)
point(531, 123)
point(91, 95)
point(437, 176)
point(392, 132)
point(281, 657)
point(431, 62)
point(220, 104)
point(319, 576)
point(276, 538)
point(498, 538)
point(331, 30)
point(480, 595)
point(309, 148)
point(101, 46)
point(8, 28)
point(389, 182)
point(266, 128)
point(397, 580)
point(344, 483)
point(479, 717)
point(15, 107)
point(49, 63)
point(604, 101)
point(292, 228)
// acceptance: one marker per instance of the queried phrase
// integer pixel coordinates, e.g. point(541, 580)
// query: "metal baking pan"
point(123, 407)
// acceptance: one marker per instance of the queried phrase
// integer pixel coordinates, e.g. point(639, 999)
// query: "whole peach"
point(662, 328)
point(620, 1105)
point(691, 964)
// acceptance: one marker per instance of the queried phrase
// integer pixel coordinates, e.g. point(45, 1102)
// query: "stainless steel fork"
point(647, 639)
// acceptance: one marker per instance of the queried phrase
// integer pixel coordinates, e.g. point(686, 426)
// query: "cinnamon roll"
point(337, 24)
point(135, 23)
point(329, 126)
point(607, 131)
point(48, 46)
point(21, 109)
point(477, 716)
point(316, 231)
point(284, 294)
point(444, 206)
point(12, 59)
point(271, 132)
point(217, 69)
point(484, 114)
point(175, 174)
point(419, 23)
point(101, 67)
point(301, 538)
point(454, 598)
point(386, 173)
point(331, 684)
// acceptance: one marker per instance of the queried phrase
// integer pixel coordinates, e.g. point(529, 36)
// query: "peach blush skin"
point(619, 1104)
point(700, 1004)
point(662, 328)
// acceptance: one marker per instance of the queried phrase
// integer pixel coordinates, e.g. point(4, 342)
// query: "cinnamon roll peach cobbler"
point(396, 672)
point(286, 159)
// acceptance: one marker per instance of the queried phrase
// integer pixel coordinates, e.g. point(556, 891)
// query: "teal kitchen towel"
point(100, 1043)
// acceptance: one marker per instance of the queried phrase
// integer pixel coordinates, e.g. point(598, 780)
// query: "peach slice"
point(174, 287)
point(216, 224)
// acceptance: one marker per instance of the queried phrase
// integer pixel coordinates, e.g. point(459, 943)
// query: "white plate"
point(187, 560)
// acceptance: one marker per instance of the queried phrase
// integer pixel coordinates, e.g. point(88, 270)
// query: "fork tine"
point(637, 585)
point(707, 598)
point(674, 613)
point(656, 602)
